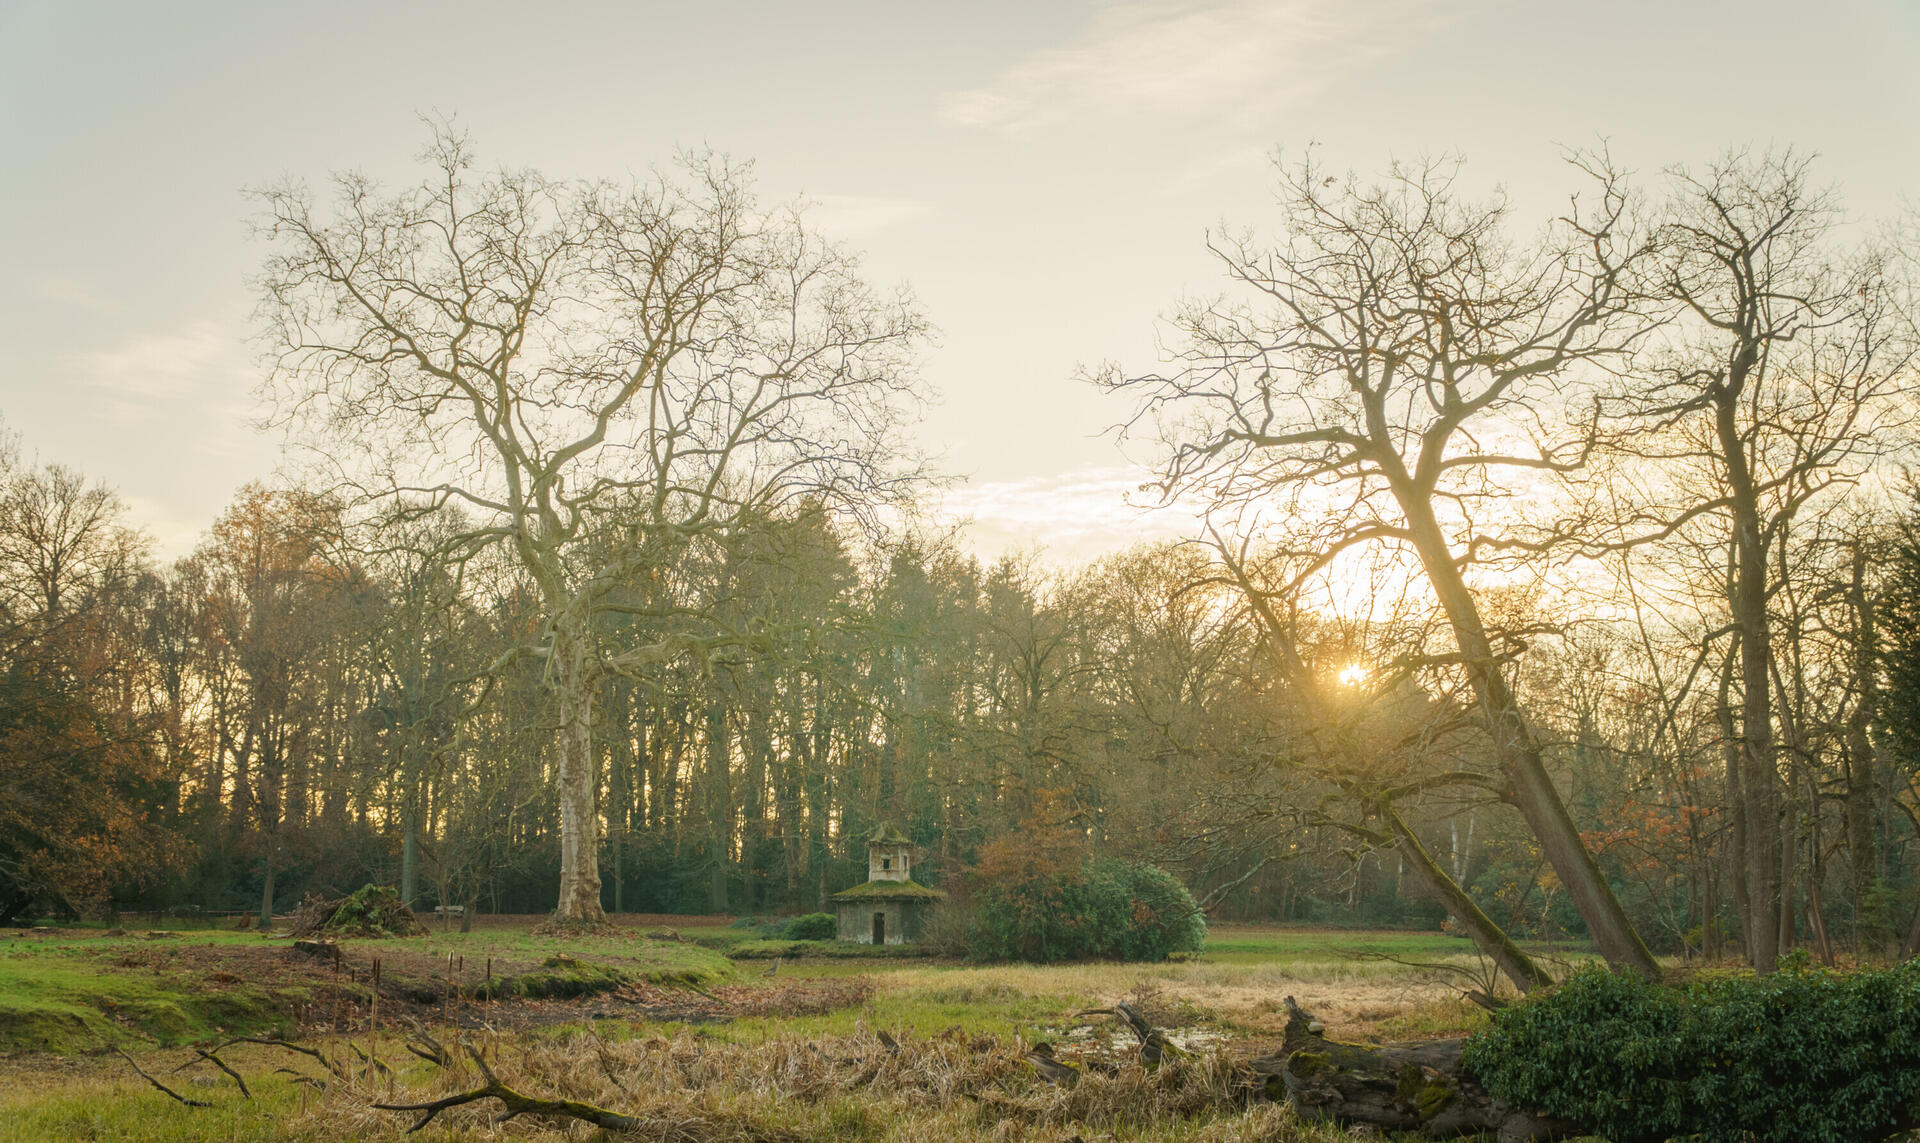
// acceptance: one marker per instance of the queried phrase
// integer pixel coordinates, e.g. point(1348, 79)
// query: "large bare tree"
point(1402, 379)
point(567, 361)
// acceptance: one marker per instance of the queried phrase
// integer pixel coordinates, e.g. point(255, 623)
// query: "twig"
point(606, 1061)
point(367, 1059)
point(300, 1078)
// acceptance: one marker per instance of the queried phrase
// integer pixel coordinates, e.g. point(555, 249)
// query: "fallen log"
point(1393, 1087)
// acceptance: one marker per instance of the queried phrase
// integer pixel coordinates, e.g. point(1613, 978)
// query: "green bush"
point(811, 927)
point(1106, 909)
point(1802, 1056)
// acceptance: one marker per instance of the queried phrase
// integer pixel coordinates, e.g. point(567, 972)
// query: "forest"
point(1108, 571)
point(1557, 577)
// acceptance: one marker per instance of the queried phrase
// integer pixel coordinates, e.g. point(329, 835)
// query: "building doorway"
point(879, 928)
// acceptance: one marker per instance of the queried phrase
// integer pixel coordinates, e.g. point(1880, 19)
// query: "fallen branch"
point(214, 1059)
point(156, 1083)
point(428, 1048)
point(1154, 1044)
point(382, 1068)
point(299, 1077)
point(1052, 1070)
point(516, 1104)
point(274, 1041)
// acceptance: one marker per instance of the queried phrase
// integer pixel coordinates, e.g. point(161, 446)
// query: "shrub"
point(811, 927)
point(1105, 909)
point(1802, 1056)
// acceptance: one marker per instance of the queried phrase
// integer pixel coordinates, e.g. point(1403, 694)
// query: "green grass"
point(108, 1102)
point(661, 962)
point(1266, 944)
point(831, 950)
point(70, 993)
point(67, 999)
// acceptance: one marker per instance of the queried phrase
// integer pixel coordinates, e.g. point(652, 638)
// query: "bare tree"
point(1776, 387)
point(570, 360)
point(1403, 381)
point(58, 536)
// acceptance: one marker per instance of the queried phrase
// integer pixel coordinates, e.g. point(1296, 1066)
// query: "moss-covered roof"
point(882, 890)
point(886, 833)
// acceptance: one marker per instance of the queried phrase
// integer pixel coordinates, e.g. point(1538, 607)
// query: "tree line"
point(1558, 583)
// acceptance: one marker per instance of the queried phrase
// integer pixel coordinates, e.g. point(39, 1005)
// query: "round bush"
point(1801, 1056)
point(811, 927)
point(1106, 909)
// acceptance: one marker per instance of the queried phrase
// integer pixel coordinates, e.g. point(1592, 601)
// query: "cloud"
point(1074, 517)
point(1194, 60)
point(203, 363)
point(851, 216)
point(69, 291)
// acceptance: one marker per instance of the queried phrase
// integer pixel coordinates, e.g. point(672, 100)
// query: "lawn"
point(685, 1034)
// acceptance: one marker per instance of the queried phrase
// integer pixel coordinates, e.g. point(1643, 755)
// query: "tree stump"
point(320, 949)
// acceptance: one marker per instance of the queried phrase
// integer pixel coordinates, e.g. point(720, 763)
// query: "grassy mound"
point(560, 978)
point(62, 1004)
point(564, 977)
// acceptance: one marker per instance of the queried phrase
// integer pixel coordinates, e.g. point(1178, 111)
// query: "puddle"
point(1109, 1039)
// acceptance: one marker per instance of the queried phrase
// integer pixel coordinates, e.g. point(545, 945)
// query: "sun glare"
point(1352, 675)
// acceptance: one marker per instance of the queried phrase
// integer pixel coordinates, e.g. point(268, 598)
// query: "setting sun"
point(1352, 675)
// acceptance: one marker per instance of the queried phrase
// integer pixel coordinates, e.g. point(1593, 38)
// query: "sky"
point(1042, 174)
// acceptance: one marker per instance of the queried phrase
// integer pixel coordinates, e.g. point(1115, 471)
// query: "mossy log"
point(1393, 1087)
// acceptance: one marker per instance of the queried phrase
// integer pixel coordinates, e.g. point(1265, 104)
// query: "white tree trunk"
point(579, 824)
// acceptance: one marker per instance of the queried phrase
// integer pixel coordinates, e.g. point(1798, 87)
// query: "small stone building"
point(891, 908)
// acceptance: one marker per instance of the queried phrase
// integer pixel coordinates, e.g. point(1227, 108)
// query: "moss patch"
point(884, 890)
point(562, 977)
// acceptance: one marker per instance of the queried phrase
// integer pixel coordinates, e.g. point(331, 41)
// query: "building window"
point(886, 863)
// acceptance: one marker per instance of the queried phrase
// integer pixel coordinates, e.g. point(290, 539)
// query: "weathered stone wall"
point(905, 921)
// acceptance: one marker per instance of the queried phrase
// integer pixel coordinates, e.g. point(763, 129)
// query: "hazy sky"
point(1042, 173)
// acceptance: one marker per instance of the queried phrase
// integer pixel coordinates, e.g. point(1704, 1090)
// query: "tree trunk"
point(266, 890)
point(719, 803)
point(579, 835)
point(1730, 751)
point(1519, 758)
point(1748, 603)
point(410, 859)
point(1862, 769)
point(1491, 939)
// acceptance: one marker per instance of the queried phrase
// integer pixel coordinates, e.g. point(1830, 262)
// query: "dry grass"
point(1358, 1000)
point(689, 1088)
point(802, 1057)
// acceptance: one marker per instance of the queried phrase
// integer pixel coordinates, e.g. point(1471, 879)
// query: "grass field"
point(676, 1030)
